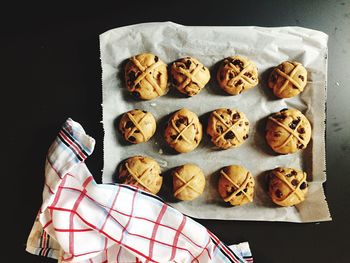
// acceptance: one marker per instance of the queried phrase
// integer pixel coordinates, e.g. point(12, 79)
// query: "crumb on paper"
point(153, 104)
point(337, 83)
point(162, 163)
point(160, 151)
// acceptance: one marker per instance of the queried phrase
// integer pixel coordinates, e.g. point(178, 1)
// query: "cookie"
point(288, 79)
point(287, 186)
point(184, 131)
point(236, 185)
point(146, 76)
point(228, 128)
point(237, 74)
point(137, 126)
point(288, 131)
point(188, 182)
point(143, 172)
point(189, 76)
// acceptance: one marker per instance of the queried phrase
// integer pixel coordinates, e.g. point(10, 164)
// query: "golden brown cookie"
point(288, 131)
point(184, 131)
point(189, 76)
point(137, 126)
point(236, 185)
point(237, 74)
point(143, 172)
point(146, 76)
point(288, 79)
point(188, 182)
point(287, 186)
point(228, 128)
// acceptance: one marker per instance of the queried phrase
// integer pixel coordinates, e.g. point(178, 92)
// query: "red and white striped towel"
point(81, 221)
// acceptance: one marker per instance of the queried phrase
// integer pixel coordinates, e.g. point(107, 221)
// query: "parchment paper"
point(267, 47)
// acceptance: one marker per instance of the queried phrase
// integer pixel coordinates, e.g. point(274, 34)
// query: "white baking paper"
point(267, 47)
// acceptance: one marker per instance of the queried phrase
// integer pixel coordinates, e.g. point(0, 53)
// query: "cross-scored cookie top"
point(288, 79)
point(287, 186)
point(143, 172)
point(137, 126)
point(184, 131)
point(188, 182)
point(237, 74)
point(146, 76)
point(236, 185)
point(228, 128)
point(288, 131)
point(189, 75)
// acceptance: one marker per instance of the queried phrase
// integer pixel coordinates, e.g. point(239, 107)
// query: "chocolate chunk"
point(229, 111)
point(301, 130)
point(246, 123)
point(238, 63)
point(222, 116)
point(144, 111)
point(188, 63)
point(173, 137)
point(219, 129)
point(301, 146)
point(248, 74)
point(132, 138)
point(245, 190)
point(301, 77)
point(278, 193)
point(303, 185)
point(279, 116)
point(294, 124)
point(129, 124)
point(229, 135)
point(239, 193)
point(293, 172)
point(245, 137)
point(230, 75)
point(277, 134)
point(236, 116)
point(132, 76)
point(156, 59)
point(289, 175)
point(137, 86)
point(281, 68)
point(179, 122)
point(295, 182)
point(136, 94)
point(239, 82)
point(203, 68)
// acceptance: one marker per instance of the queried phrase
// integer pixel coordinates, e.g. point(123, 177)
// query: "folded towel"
point(82, 221)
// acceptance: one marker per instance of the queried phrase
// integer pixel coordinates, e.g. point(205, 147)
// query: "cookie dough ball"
point(288, 131)
point(228, 128)
point(146, 76)
point(189, 75)
point(237, 74)
point(287, 186)
point(188, 182)
point(184, 131)
point(137, 126)
point(143, 172)
point(288, 79)
point(236, 185)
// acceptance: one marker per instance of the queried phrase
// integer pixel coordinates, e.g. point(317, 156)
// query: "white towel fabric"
point(81, 221)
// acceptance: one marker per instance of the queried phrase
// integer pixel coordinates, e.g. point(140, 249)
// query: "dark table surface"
point(50, 70)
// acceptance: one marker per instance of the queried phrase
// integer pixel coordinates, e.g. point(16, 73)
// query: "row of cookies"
point(287, 131)
point(287, 186)
point(146, 76)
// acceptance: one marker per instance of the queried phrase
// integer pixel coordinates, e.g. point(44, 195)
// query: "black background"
point(50, 70)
